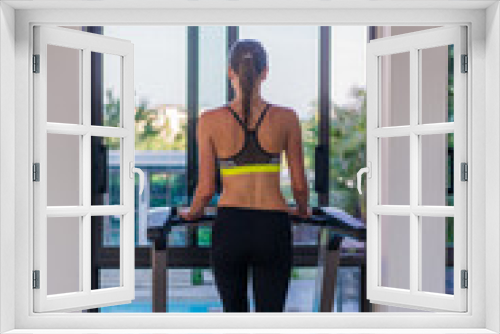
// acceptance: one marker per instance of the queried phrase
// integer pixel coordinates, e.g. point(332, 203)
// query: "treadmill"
point(334, 226)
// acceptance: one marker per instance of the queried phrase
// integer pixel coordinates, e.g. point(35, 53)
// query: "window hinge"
point(464, 171)
point(36, 172)
point(465, 63)
point(465, 279)
point(36, 63)
point(36, 279)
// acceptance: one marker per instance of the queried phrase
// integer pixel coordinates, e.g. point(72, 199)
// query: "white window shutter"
point(406, 218)
point(82, 296)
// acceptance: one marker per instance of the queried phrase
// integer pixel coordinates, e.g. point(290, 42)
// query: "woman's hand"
point(185, 213)
point(295, 212)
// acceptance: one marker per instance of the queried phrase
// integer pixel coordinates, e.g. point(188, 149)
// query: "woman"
point(252, 229)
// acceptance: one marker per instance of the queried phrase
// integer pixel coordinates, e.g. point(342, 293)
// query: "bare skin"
point(220, 135)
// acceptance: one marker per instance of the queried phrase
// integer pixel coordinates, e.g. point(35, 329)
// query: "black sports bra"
point(252, 158)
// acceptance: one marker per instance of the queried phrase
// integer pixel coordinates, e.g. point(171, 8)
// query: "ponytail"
point(248, 59)
point(247, 75)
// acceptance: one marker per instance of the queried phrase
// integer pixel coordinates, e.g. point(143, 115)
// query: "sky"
point(160, 63)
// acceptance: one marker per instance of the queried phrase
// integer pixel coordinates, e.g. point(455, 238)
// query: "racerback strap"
point(237, 117)
point(243, 124)
point(261, 117)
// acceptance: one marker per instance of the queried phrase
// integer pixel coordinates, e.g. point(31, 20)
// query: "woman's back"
point(252, 228)
point(260, 190)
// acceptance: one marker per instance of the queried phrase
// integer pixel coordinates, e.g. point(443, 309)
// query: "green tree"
point(348, 154)
point(347, 150)
point(111, 115)
point(147, 134)
point(144, 117)
point(180, 142)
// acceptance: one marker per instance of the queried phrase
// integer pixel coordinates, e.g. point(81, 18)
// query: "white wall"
point(492, 208)
point(7, 170)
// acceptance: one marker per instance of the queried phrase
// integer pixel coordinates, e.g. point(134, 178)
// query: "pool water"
point(181, 306)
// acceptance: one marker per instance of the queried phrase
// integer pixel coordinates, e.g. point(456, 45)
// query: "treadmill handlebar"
point(336, 219)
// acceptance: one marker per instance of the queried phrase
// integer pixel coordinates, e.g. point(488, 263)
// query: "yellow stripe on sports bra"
point(254, 168)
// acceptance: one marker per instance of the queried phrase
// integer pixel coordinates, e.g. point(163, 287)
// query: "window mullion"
point(85, 175)
point(324, 108)
point(415, 176)
point(192, 108)
point(96, 118)
point(232, 37)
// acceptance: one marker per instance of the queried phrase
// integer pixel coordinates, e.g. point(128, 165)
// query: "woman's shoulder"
point(283, 114)
point(282, 110)
point(276, 108)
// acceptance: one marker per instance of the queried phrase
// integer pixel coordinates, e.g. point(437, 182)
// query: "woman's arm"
point(295, 158)
point(206, 169)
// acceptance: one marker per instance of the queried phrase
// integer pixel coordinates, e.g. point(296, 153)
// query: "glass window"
point(212, 73)
point(160, 74)
point(437, 83)
point(108, 113)
point(395, 251)
point(63, 84)
point(292, 81)
point(160, 67)
point(64, 272)
point(63, 170)
point(212, 67)
point(348, 116)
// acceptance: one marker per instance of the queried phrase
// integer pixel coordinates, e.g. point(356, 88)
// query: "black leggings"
point(244, 238)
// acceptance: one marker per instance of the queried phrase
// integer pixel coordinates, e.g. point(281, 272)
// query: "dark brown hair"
point(247, 58)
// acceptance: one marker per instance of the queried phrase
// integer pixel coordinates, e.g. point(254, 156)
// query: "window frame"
point(25, 19)
point(85, 211)
point(414, 44)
